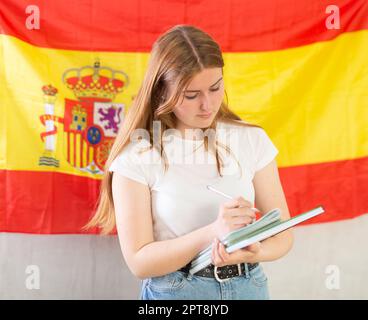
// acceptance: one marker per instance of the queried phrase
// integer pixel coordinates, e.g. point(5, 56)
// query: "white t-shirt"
point(180, 199)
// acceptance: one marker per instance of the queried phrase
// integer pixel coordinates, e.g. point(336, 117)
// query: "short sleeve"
point(128, 164)
point(263, 147)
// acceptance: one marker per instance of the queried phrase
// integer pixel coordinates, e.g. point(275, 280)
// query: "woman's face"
point(203, 96)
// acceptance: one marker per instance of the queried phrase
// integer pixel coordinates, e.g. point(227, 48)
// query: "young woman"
point(158, 198)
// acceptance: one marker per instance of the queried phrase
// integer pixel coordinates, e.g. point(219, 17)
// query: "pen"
point(227, 196)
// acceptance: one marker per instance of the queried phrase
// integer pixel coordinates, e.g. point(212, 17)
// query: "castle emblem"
point(91, 121)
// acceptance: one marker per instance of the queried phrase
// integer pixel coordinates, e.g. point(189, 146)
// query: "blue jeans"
point(178, 285)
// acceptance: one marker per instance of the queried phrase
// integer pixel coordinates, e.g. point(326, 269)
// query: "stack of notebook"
point(268, 225)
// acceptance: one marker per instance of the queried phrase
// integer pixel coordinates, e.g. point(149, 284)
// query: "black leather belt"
point(221, 273)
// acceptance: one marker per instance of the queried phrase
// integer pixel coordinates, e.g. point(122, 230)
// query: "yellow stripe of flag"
point(312, 100)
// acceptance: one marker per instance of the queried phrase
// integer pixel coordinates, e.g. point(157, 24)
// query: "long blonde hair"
point(176, 56)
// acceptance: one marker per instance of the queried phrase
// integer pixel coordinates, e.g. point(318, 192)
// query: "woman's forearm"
point(162, 257)
point(275, 247)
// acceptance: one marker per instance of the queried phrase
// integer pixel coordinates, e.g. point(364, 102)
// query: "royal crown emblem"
point(90, 123)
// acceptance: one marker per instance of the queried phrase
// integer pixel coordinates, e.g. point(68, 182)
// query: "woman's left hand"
point(248, 254)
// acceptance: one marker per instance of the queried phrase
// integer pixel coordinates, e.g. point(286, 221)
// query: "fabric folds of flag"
point(66, 86)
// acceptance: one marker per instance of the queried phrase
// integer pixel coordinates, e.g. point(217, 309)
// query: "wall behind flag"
point(68, 75)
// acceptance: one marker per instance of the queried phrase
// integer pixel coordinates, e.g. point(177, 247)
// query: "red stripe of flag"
point(133, 26)
point(60, 205)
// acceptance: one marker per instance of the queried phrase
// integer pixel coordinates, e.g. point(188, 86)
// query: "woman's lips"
point(205, 115)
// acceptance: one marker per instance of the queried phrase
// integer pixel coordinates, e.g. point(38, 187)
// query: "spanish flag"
point(70, 69)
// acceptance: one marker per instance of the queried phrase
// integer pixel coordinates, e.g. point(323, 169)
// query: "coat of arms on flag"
point(90, 122)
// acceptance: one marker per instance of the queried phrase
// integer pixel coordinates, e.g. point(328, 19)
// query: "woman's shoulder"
point(141, 152)
point(246, 136)
point(240, 127)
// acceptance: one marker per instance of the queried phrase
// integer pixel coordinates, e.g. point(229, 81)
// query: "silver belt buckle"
point(223, 280)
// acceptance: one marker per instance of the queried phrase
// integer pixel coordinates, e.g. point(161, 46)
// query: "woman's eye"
point(193, 97)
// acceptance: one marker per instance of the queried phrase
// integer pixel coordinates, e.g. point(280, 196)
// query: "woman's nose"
point(205, 103)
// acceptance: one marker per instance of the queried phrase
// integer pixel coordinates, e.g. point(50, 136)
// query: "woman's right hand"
point(233, 215)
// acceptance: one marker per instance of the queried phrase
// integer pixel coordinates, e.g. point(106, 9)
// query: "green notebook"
point(268, 225)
